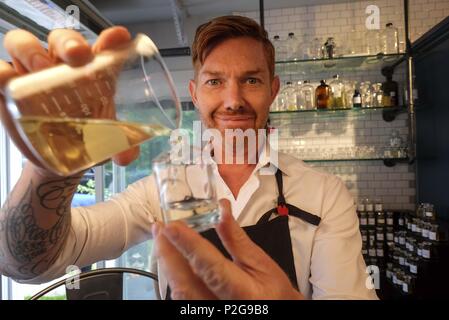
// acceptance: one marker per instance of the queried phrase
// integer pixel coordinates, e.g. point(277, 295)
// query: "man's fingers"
point(184, 284)
point(26, 51)
point(7, 72)
point(126, 157)
point(69, 46)
point(111, 38)
point(219, 274)
point(242, 249)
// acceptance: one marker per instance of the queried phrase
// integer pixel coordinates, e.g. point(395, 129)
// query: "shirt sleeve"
point(105, 230)
point(338, 270)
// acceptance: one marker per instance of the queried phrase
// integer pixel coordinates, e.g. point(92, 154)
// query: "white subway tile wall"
point(394, 186)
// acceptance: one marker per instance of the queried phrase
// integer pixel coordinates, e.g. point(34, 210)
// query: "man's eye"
point(213, 82)
point(252, 81)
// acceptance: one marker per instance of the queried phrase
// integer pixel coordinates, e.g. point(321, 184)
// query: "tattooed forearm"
point(35, 226)
point(57, 194)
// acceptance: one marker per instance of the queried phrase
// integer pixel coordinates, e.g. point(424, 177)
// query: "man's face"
point(232, 88)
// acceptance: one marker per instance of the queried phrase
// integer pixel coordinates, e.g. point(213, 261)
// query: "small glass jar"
point(390, 218)
point(364, 234)
point(412, 247)
point(414, 224)
point(408, 222)
point(363, 219)
point(429, 212)
point(407, 257)
point(389, 271)
point(401, 222)
point(380, 250)
point(406, 284)
point(396, 254)
point(425, 226)
point(396, 238)
point(371, 237)
point(364, 249)
point(402, 238)
point(380, 218)
point(371, 219)
point(419, 247)
point(395, 274)
point(418, 226)
point(372, 251)
point(401, 258)
point(399, 278)
point(426, 249)
point(413, 264)
point(380, 234)
point(433, 232)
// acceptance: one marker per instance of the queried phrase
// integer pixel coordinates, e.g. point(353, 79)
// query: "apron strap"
point(284, 208)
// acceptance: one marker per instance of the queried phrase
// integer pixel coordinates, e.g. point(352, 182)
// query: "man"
point(305, 220)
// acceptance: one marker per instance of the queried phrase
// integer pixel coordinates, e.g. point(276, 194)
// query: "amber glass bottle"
point(322, 95)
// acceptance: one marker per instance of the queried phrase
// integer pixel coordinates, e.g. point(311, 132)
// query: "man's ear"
point(192, 91)
point(275, 85)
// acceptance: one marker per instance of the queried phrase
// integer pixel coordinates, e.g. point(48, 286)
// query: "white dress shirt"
point(328, 259)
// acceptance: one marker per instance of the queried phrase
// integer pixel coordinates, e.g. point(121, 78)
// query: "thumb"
point(241, 248)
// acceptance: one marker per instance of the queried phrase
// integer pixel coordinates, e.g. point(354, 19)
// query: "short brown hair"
point(212, 33)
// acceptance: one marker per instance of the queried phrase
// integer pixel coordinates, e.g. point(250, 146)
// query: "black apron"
point(273, 236)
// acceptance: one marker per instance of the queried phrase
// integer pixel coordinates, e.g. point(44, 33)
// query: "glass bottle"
point(380, 234)
point(280, 103)
point(371, 236)
point(292, 44)
point(300, 101)
point(371, 219)
point(380, 250)
point(337, 93)
point(390, 92)
point(372, 250)
point(357, 99)
point(390, 218)
point(413, 264)
point(372, 38)
point(279, 48)
point(308, 93)
point(322, 95)
point(377, 94)
point(349, 88)
point(365, 91)
point(317, 49)
point(390, 234)
point(390, 39)
point(401, 222)
point(364, 234)
point(329, 46)
point(380, 215)
point(363, 219)
point(425, 250)
point(433, 232)
point(289, 92)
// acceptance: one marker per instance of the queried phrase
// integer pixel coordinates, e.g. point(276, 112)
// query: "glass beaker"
point(73, 118)
point(187, 190)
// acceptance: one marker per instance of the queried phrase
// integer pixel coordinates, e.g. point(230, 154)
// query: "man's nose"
point(233, 97)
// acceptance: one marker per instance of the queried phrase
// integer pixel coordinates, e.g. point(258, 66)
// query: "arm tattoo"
point(29, 243)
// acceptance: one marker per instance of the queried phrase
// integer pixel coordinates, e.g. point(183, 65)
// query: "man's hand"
point(195, 269)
